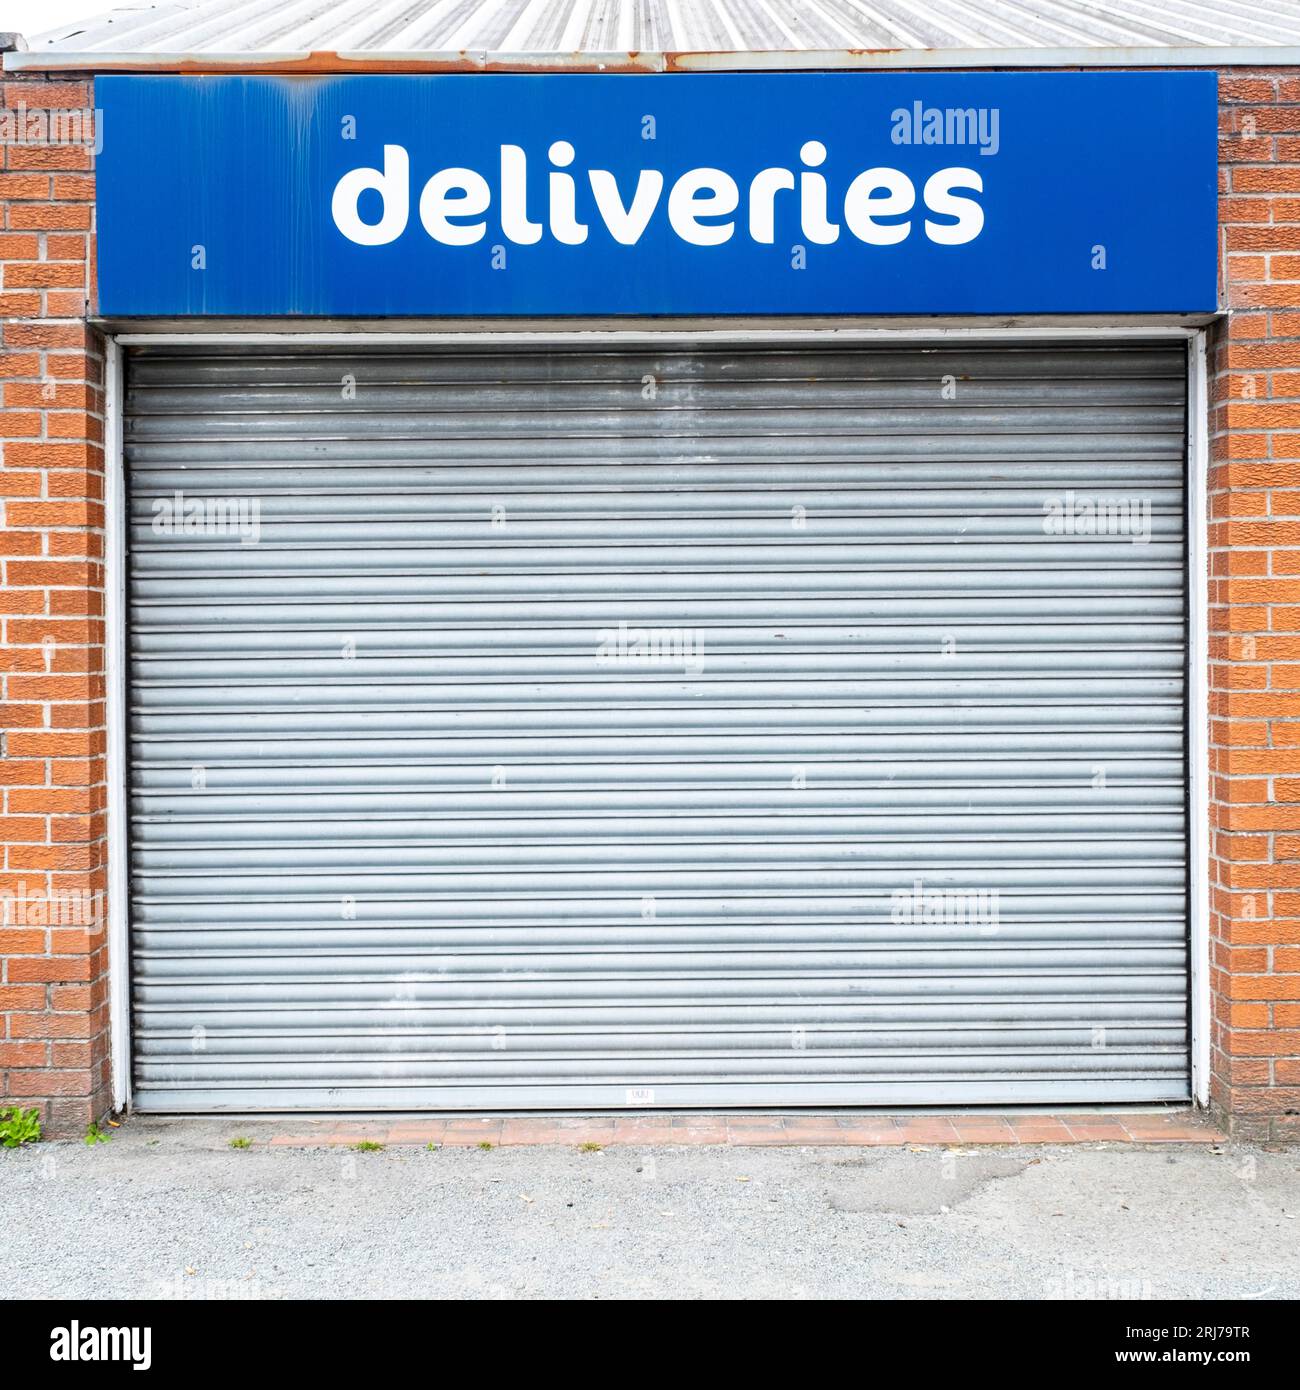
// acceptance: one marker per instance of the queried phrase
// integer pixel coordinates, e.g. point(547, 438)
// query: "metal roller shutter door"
point(405, 834)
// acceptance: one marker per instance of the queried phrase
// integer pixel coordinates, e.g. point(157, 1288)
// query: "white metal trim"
point(118, 904)
point(1198, 704)
point(1198, 644)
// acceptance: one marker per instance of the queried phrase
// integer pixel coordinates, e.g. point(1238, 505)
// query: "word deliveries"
point(702, 204)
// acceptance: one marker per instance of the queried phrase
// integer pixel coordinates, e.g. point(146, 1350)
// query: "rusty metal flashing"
point(324, 61)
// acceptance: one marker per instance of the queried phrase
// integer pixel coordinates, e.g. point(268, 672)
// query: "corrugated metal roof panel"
point(661, 34)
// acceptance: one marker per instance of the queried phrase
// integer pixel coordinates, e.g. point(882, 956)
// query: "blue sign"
point(774, 193)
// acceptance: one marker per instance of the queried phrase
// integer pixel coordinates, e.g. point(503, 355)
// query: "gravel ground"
point(167, 1209)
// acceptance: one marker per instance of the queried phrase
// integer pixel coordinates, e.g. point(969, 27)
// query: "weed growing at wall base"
point(19, 1127)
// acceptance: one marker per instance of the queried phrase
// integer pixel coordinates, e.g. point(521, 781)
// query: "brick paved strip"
point(809, 1130)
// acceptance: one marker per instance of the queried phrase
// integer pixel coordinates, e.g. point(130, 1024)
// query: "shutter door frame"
point(776, 1092)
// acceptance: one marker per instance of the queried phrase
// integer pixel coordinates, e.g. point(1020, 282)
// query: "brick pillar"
point(1254, 608)
point(53, 952)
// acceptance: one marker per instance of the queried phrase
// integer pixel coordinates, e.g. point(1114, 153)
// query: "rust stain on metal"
point(772, 60)
point(324, 61)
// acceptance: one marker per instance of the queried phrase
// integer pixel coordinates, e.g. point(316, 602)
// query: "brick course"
point(53, 985)
point(53, 953)
point(1254, 611)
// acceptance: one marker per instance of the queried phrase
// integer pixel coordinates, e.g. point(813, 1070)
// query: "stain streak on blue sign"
point(782, 193)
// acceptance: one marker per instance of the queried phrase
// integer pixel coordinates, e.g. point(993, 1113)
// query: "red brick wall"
point(53, 955)
point(53, 1006)
point(1254, 607)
